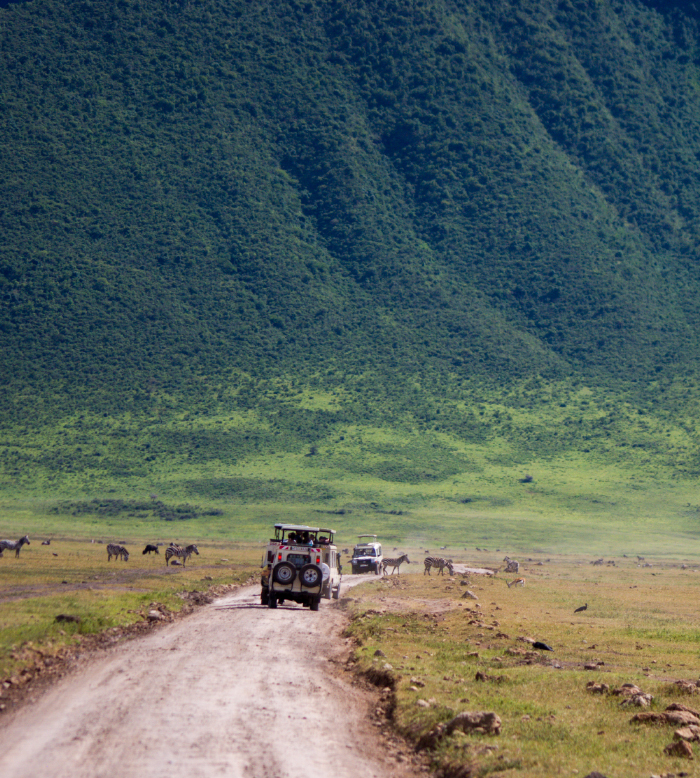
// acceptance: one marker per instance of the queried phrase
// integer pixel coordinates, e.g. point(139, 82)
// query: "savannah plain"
point(632, 561)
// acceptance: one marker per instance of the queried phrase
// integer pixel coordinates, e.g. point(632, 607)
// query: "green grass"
point(72, 576)
point(523, 473)
point(551, 725)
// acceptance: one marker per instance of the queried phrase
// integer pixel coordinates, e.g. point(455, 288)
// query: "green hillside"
point(447, 222)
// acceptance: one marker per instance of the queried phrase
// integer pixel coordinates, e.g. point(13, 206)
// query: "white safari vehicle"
point(301, 564)
point(367, 556)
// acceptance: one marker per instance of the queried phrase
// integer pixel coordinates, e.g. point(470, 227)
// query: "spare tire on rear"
point(310, 576)
point(284, 573)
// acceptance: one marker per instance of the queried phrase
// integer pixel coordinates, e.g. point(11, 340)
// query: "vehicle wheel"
point(284, 573)
point(272, 601)
point(354, 570)
point(310, 576)
point(376, 568)
point(336, 593)
point(315, 603)
point(306, 603)
point(264, 595)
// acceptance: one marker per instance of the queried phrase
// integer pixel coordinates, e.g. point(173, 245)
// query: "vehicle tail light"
point(318, 560)
point(279, 557)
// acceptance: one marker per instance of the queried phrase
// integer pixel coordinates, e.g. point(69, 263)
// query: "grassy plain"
point(641, 622)
point(641, 626)
point(72, 576)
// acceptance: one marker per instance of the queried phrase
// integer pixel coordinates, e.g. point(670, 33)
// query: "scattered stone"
point(481, 722)
point(597, 688)
point(590, 666)
point(680, 706)
point(686, 687)
point(679, 748)
point(677, 718)
point(595, 774)
point(483, 677)
point(154, 615)
point(417, 682)
point(469, 595)
point(379, 652)
point(65, 617)
point(640, 700)
point(681, 718)
point(422, 703)
point(627, 690)
point(690, 733)
point(648, 718)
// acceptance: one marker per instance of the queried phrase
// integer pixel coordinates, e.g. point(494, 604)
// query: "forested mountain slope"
point(445, 190)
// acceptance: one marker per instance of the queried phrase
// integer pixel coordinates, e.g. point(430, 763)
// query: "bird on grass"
point(582, 608)
point(542, 646)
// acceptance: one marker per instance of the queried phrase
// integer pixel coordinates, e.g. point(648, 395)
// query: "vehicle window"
point(299, 560)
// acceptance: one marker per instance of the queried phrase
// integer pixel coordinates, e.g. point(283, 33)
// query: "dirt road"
point(233, 690)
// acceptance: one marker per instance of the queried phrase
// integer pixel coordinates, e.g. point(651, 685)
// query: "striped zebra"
point(180, 553)
point(511, 565)
point(13, 545)
point(395, 564)
point(439, 563)
point(116, 551)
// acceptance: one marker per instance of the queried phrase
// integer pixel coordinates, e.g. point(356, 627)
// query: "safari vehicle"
point(367, 556)
point(301, 564)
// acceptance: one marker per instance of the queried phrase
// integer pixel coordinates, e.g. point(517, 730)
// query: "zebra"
point(150, 547)
point(14, 545)
point(181, 553)
point(116, 551)
point(511, 565)
point(395, 564)
point(440, 563)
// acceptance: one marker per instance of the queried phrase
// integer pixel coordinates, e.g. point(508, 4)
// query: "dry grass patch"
point(447, 655)
point(72, 577)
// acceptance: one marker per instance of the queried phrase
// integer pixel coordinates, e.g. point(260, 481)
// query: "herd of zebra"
point(178, 554)
point(431, 561)
point(440, 563)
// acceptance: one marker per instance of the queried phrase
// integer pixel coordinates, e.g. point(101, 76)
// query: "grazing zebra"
point(181, 553)
point(14, 545)
point(517, 582)
point(395, 564)
point(116, 551)
point(150, 547)
point(440, 563)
